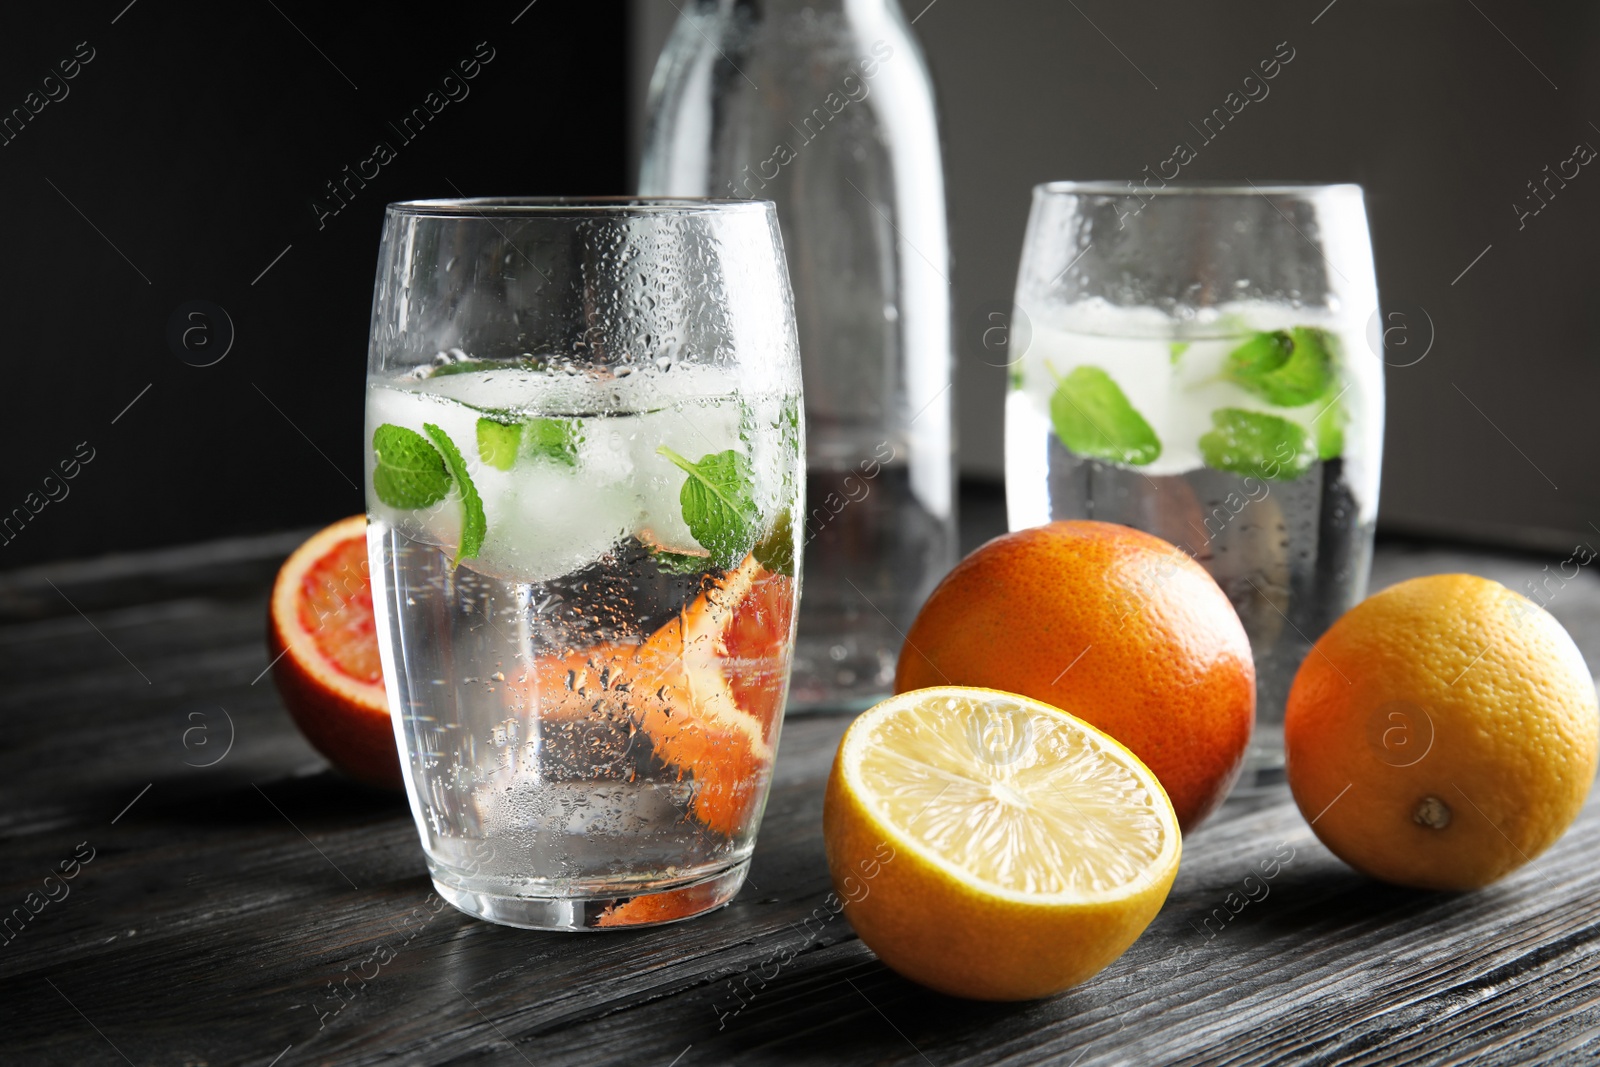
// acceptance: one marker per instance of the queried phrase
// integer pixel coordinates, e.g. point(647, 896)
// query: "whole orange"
point(1442, 733)
point(1110, 624)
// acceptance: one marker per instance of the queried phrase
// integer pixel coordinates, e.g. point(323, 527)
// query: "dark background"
point(195, 142)
point(189, 151)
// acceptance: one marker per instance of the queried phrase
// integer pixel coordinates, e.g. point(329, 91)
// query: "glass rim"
point(1217, 187)
point(572, 206)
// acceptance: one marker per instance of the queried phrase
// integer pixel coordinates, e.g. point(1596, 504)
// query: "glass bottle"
point(826, 108)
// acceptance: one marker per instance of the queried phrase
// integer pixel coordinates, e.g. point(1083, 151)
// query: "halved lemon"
point(991, 846)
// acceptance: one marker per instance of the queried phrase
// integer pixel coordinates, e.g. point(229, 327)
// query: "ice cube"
point(548, 517)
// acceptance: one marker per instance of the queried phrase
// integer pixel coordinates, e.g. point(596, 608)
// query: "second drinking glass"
point(583, 485)
point(1198, 369)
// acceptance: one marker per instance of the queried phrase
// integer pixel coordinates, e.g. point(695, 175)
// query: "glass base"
point(654, 908)
point(1263, 761)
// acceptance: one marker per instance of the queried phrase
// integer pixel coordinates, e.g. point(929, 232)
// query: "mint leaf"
point(497, 443)
point(501, 436)
point(718, 505)
point(1259, 356)
point(1092, 417)
point(469, 366)
point(464, 366)
point(1252, 443)
point(473, 524)
point(409, 473)
point(1177, 349)
point(775, 551)
point(1286, 367)
point(555, 439)
point(1329, 428)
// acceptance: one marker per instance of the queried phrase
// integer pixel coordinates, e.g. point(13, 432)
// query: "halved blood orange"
point(324, 647)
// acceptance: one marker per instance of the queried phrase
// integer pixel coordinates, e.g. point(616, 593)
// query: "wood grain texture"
point(226, 915)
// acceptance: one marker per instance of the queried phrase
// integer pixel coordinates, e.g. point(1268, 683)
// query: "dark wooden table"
point(235, 902)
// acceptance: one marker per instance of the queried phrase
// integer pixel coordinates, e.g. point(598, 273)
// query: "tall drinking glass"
point(584, 474)
point(1198, 369)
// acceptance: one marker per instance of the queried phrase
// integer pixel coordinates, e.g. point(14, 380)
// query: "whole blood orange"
point(1112, 625)
point(324, 649)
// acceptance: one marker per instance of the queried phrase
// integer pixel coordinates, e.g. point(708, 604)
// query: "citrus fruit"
point(990, 846)
point(1442, 733)
point(706, 689)
point(1115, 626)
point(670, 906)
point(749, 655)
point(324, 648)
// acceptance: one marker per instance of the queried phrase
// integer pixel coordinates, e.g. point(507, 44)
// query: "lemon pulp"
point(1023, 798)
